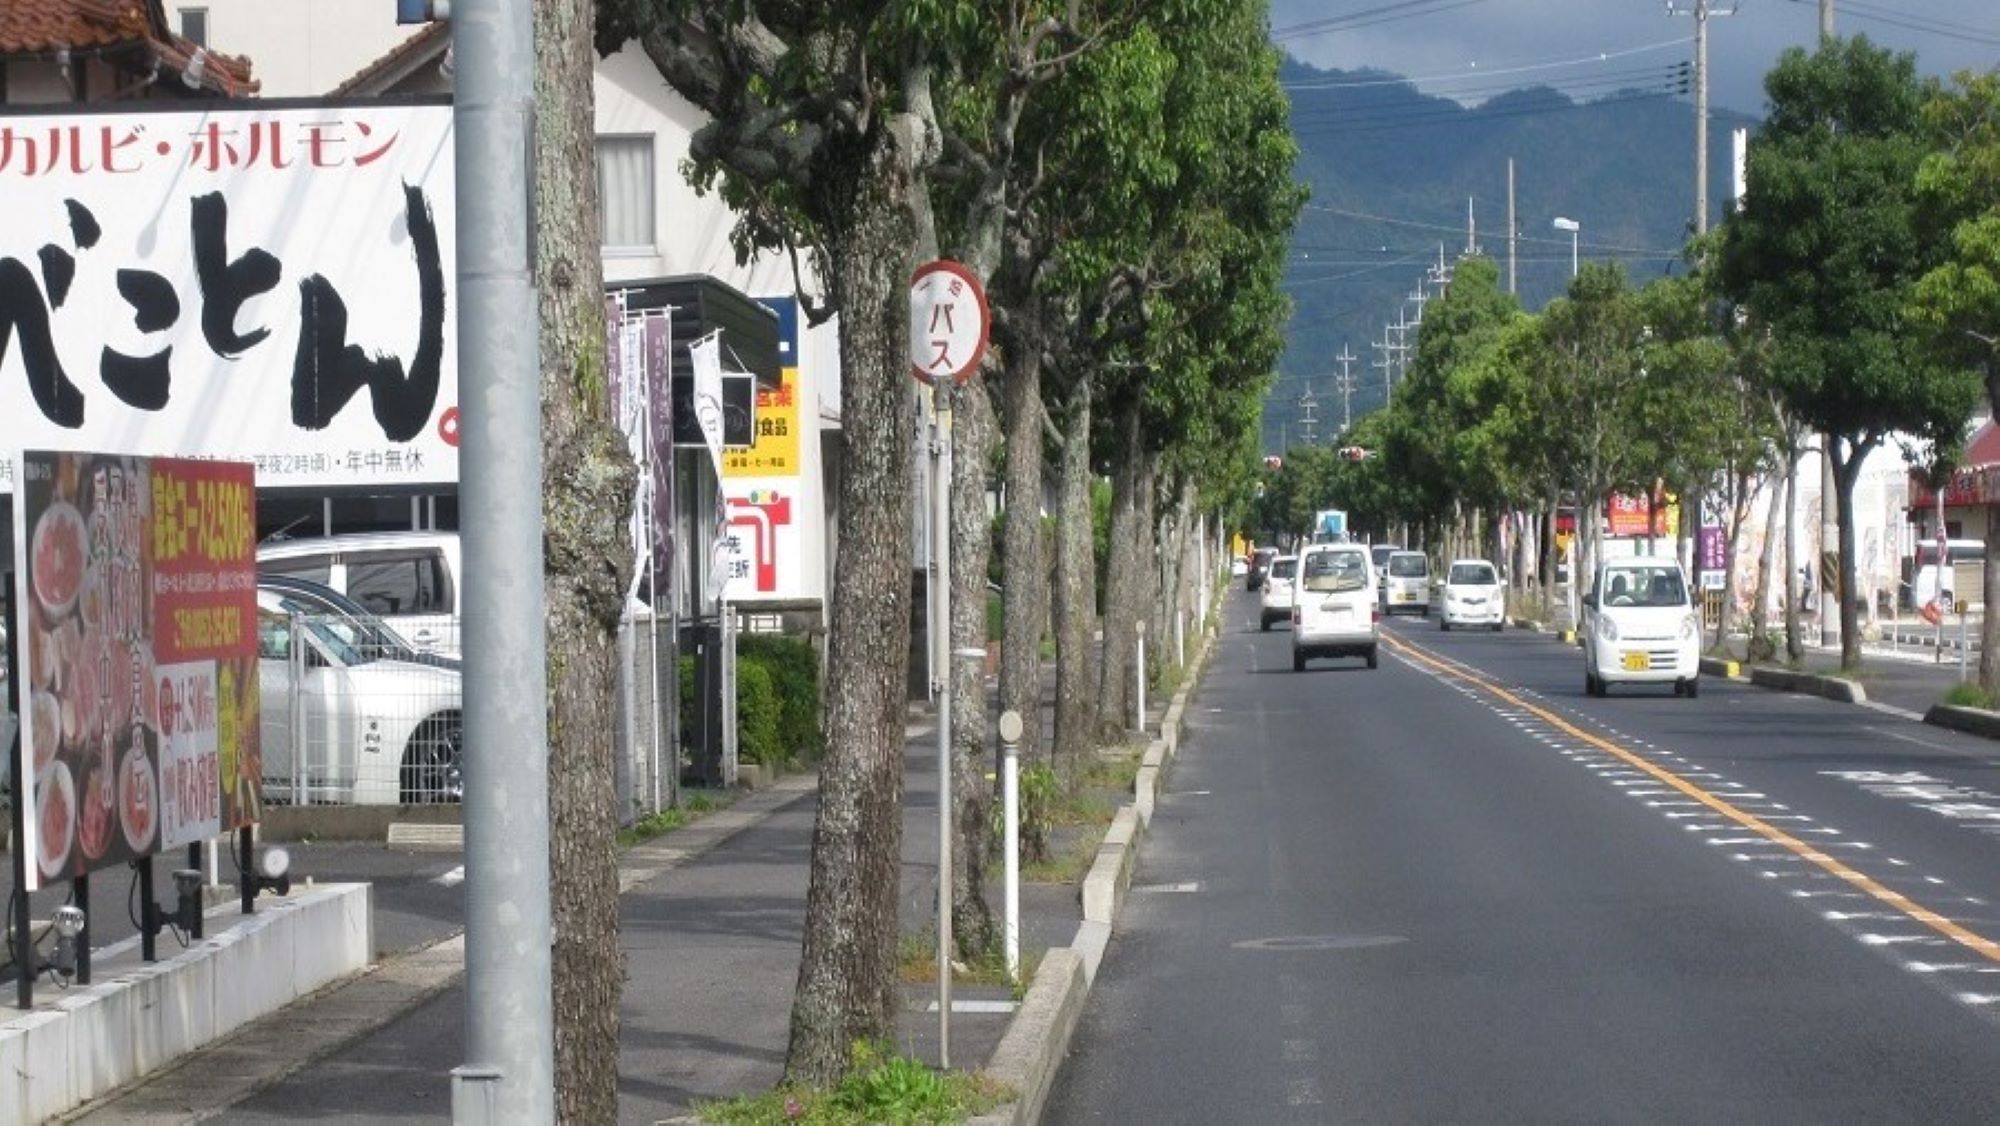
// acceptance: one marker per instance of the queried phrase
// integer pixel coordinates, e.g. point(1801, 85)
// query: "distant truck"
point(1329, 526)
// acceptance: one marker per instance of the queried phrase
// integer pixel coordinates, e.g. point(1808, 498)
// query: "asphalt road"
point(1457, 889)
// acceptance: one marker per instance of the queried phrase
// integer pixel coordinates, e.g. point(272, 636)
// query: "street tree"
point(586, 503)
point(1825, 252)
point(1958, 302)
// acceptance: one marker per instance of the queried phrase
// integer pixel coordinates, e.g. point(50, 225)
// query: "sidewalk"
point(1907, 678)
point(712, 946)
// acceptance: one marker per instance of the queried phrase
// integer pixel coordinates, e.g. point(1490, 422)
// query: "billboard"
point(764, 487)
point(264, 283)
point(138, 597)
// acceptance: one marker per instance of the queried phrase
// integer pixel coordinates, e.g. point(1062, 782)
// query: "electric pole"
point(1825, 20)
point(1387, 364)
point(1512, 229)
point(1346, 385)
point(1702, 10)
point(1308, 421)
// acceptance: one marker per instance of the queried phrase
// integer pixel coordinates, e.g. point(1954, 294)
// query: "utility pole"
point(1308, 420)
point(1825, 20)
point(1512, 229)
point(1471, 229)
point(1829, 503)
point(1702, 10)
point(1346, 385)
point(1387, 366)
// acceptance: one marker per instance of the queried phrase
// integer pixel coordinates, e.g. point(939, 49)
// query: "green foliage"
point(756, 715)
point(1958, 302)
point(1040, 794)
point(793, 666)
point(1968, 694)
point(880, 1087)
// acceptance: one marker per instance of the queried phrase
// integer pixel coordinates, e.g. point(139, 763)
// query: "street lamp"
point(1574, 228)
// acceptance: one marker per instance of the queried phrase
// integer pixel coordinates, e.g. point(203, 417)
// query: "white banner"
point(272, 285)
point(706, 356)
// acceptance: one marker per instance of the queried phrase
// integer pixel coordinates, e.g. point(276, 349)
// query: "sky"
point(1455, 45)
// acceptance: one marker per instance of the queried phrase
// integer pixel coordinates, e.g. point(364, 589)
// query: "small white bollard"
point(1010, 845)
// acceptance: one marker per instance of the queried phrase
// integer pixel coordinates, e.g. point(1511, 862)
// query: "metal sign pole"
point(24, 957)
point(1010, 848)
point(941, 551)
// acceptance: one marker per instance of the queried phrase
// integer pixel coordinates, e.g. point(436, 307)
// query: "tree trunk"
point(1989, 627)
point(1847, 471)
point(1124, 577)
point(1794, 643)
point(1022, 571)
point(847, 969)
point(1736, 493)
point(586, 504)
point(1076, 595)
point(1760, 646)
point(972, 796)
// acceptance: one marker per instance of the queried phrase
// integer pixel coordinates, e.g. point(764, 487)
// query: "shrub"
point(757, 714)
point(1968, 694)
point(793, 665)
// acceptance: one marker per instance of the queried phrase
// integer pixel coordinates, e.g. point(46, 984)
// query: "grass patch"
point(1968, 694)
point(882, 1088)
point(694, 806)
point(916, 964)
point(1066, 866)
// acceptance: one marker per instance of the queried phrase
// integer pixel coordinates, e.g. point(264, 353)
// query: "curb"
point(1971, 721)
point(1716, 666)
point(1037, 1038)
point(1812, 684)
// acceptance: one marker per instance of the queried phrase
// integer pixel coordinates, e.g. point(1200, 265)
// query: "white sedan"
point(1473, 596)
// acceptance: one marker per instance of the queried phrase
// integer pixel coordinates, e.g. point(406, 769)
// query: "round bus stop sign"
point(948, 322)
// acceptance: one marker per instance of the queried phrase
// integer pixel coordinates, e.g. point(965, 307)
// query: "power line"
point(1487, 72)
point(1317, 100)
point(1928, 25)
point(1476, 117)
point(1459, 229)
point(1310, 114)
point(1368, 17)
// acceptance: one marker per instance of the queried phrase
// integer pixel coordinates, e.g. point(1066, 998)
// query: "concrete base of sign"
point(83, 1042)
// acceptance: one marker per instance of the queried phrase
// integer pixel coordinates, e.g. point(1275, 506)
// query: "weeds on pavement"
point(882, 1088)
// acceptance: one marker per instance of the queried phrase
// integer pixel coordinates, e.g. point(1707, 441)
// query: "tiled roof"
point(43, 27)
point(433, 39)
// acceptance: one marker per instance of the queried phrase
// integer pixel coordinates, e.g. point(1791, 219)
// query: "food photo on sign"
point(137, 601)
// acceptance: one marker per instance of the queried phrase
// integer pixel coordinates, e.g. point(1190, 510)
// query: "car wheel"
point(1694, 687)
point(433, 764)
point(1444, 626)
point(1591, 685)
point(1264, 624)
point(1298, 661)
point(1372, 659)
point(1498, 626)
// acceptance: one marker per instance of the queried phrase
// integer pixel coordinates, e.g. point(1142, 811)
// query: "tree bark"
point(1989, 628)
point(586, 504)
point(1761, 648)
point(1076, 595)
point(1023, 573)
point(1124, 577)
point(1794, 644)
point(847, 969)
point(1847, 470)
point(971, 544)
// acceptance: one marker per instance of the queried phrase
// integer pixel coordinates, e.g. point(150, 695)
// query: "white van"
point(1964, 574)
point(1333, 605)
point(1406, 583)
point(1639, 627)
point(412, 580)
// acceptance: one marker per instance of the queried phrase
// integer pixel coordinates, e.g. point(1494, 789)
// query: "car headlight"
point(1689, 628)
point(1606, 628)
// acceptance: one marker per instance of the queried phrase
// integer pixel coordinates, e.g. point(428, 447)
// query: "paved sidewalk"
point(1906, 678)
point(711, 924)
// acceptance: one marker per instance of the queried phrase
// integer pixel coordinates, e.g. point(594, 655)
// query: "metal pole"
point(1513, 231)
point(1829, 544)
point(295, 696)
point(1010, 845)
point(941, 549)
point(1700, 117)
point(1964, 643)
point(1139, 679)
point(509, 1074)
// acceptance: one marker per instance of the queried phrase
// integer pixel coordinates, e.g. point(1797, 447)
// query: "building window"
point(194, 26)
point(625, 193)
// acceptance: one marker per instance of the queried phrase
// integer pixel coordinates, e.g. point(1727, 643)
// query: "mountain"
point(1391, 170)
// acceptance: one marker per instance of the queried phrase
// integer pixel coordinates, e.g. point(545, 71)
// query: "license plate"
point(1637, 662)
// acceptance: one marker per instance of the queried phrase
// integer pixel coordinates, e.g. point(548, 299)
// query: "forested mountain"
point(1391, 170)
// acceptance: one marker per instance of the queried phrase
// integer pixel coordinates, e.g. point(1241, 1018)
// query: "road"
point(1457, 889)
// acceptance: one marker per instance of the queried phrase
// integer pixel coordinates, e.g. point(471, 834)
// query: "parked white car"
point(1473, 596)
point(1406, 583)
point(1278, 591)
point(412, 580)
point(339, 725)
point(1333, 605)
point(1639, 627)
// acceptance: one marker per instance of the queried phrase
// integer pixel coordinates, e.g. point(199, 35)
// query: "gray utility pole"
point(1400, 350)
point(510, 1046)
point(1346, 385)
point(1825, 20)
point(1513, 228)
point(1387, 364)
point(1471, 229)
point(1829, 503)
point(1701, 10)
point(1309, 421)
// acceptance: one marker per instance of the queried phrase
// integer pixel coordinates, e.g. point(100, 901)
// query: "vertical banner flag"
point(660, 435)
point(706, 356)
point(139, 604)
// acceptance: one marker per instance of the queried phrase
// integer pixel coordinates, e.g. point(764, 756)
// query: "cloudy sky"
point(1451, 41)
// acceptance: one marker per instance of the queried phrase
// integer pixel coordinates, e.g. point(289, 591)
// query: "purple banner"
point(1714, 549)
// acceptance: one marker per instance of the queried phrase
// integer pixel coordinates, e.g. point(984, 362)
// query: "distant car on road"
point(1278, 591)
point(1639, 627)
point(1333, 605)
point(1473, 596)
point(1406, 584)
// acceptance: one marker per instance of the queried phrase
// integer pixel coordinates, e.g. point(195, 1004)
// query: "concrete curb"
point(1971, 721)
point(1038, 1037)
point(1716, 666)
point(1812, 684)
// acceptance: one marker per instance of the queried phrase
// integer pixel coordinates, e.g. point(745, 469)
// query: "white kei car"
point(1639, 627)
point(1473, 596)
point(1334, 613)
point(1278, 591)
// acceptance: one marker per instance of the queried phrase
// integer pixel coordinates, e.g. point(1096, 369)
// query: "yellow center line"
point(1977, 943)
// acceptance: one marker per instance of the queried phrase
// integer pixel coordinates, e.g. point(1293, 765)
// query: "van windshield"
point(1408, 566)
point(1472, 574)
point(1331, 572)
point(1283, 568)
point(1645, 586)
